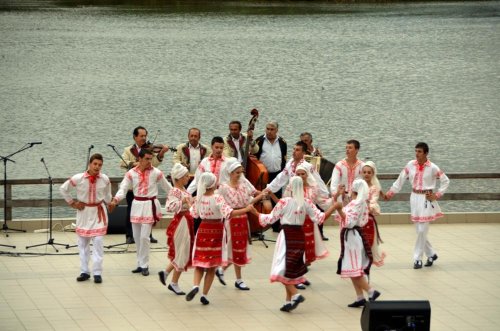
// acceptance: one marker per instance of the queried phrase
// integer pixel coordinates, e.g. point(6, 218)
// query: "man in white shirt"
point(422, 174)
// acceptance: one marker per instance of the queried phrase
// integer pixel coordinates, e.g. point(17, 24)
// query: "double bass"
point(257, 174)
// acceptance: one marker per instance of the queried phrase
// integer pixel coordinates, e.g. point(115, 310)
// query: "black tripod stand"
point(259, 236)
point(51, 240)
point(5, 227)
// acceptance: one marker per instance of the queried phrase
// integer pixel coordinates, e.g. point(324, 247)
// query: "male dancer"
point(130, 156)
point(347, 170)
point(145, 211)
point(93, 191)
point(423, 174)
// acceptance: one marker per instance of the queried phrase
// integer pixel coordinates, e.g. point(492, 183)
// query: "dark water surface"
point(75, 74)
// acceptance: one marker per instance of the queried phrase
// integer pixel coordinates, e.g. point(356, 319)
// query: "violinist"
point(131, 156)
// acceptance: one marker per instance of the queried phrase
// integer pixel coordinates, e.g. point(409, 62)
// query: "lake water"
point(389, 75)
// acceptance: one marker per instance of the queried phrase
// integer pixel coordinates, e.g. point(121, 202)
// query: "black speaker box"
point(117, 220)
point(396, 315)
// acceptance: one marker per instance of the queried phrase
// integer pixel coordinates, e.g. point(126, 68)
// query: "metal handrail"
point(115, 181)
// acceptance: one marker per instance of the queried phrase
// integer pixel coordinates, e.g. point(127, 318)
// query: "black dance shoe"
point(83, 277)
point(356, 304)
point(430, 260)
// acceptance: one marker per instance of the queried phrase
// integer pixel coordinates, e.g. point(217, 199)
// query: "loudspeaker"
point(117, 220)
point(396, 315)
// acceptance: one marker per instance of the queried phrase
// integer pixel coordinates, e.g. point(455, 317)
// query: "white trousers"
point(422, 245)
point(141, 232)
point(97, 254)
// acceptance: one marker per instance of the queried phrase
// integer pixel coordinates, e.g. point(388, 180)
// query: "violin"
point(156, 148)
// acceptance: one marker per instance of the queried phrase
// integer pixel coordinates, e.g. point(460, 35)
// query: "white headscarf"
point(360, 204)
point(178, 171)
point(207, 181)
point(375, 181)
point(224, 172)
point(310, 178)
point(297, 191)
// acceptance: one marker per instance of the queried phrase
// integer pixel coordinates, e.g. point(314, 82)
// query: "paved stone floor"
point(38, 290)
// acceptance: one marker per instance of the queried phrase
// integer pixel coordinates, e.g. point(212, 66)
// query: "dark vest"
point(281, 141)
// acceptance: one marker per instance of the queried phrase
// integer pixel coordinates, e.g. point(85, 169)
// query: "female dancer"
point(180, 233)
point(370, 230)
point(288, 265)
point(314, 246)
point(238, 194)
point(355, 256)
point(208, 250)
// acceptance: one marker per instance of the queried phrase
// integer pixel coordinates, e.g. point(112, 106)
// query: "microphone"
point(91, 146)
point(112, 146)
point(36, 143)
point(41, 160)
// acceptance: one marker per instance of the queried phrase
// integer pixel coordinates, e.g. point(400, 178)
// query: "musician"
point(191, 153)
point(144, 180)
point(347, 170)
point(235, 142)
point(93, 190)
point(130, 156)
point(272, 153)
point(307, 138)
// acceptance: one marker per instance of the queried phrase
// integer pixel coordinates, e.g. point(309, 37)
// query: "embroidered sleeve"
point(276, 214)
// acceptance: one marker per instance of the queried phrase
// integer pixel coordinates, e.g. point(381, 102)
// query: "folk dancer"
point(347, 170)
point(93, 191)
point(355, 257)
point(234, 143)
point(281, 180)
point(272, 153)
point(288, 265)
point(314, 246)
point(370, 230)
point(180, 232)
point(130, 156)
point(209, 249)
point(191, 153)
point(238, 194)
point(423, 174)
point(143, 180)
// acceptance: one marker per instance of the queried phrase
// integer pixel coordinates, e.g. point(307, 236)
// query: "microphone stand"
point(51, 240)
point(5, 227)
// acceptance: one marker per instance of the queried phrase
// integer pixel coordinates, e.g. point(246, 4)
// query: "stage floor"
point(39, 292)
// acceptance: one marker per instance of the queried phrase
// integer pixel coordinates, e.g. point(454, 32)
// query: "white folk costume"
point(344, 174)
point(180, 232)
point(355, 256)
point(314, 245)
point(423, 179)
point(370, 230)
point(92, 221)
point(238, 245)
point(209, 249)
point(146, 209)
point(290, 168)
point(288, 265)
